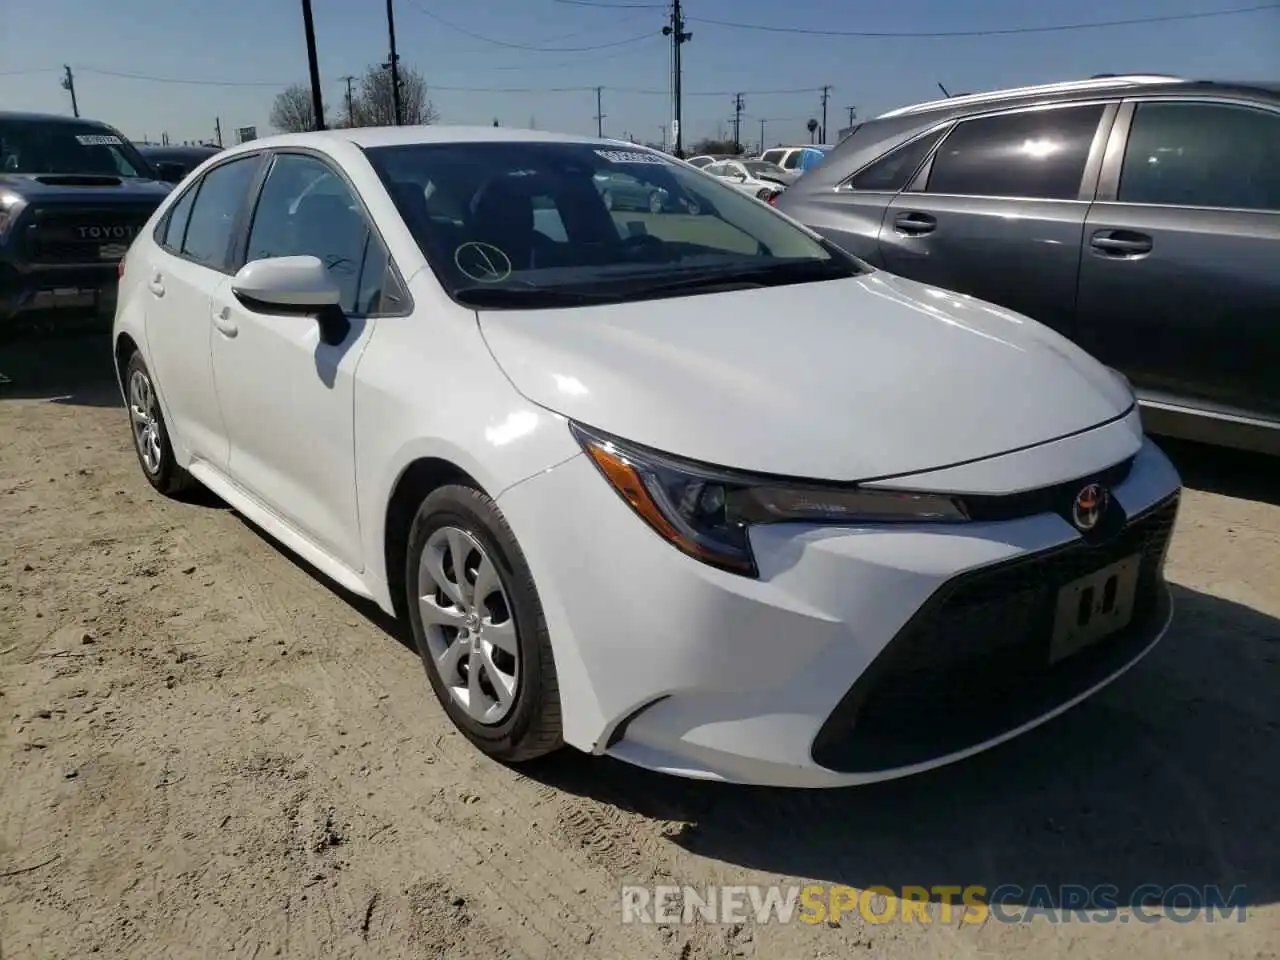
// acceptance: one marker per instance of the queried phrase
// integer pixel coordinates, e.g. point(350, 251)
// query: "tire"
point(463, 519)
point(151, 435)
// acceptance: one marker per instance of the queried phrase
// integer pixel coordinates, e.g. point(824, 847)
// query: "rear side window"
point(175, 224)
point(773, 156)
point(1039, 154)
point(1202, 155)
point(793, 159)
point(222, 193)
point(894, 171)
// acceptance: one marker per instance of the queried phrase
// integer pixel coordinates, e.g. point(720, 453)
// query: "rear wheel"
point(150, 435)
point(479, 628)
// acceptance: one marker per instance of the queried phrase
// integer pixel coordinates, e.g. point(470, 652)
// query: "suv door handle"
point(156, 284)
point(1121, 243)
point(915, 224)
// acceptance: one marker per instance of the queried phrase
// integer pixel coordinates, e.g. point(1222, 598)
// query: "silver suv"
point(1138, 215)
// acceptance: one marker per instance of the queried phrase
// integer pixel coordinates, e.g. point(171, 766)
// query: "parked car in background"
point(179, 161)
point(739, 174)
point(798, 159)
point(73, 194)
point(1138, 215)
point(620, 191)
point(702, 159)
point(716, 499)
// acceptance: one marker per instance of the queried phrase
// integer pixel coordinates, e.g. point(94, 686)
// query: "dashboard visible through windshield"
point(530, 224)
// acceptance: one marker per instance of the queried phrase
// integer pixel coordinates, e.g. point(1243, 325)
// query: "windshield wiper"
point(774, 274)
point(533, 297)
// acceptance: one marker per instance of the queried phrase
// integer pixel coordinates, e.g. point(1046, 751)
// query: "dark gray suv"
point(1137, 215)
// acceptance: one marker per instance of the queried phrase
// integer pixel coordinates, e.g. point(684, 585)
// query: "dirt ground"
point(207, 750)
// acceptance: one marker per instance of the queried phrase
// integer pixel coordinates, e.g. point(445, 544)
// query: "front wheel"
point(479, 627)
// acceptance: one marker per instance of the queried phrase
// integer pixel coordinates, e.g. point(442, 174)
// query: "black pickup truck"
point(73, 194)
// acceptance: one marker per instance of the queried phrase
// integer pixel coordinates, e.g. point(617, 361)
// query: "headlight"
point(11, 207)
point(706, 512)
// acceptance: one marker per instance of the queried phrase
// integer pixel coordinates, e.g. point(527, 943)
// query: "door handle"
point(1121, 243)
point(915, 224)
point(224, 324)
point(156, 284)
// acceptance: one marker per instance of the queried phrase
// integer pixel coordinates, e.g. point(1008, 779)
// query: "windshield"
point(59, 146)
point(762, 168)
point(516, 223)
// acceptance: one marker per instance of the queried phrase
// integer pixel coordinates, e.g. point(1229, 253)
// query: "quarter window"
point(1202, 155)
point(1038, 153)
point(306, 209)
point(894, 171)
point(221, 194)
point(175, 224)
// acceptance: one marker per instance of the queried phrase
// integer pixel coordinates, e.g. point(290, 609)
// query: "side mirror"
point(171, 172)
point(294, 285)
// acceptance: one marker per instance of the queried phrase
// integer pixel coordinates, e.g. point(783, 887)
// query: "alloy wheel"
point(145, 416)
point(469, 628)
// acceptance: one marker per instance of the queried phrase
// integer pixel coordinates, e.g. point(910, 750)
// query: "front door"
point(1180, 279)
point(998, 213)
point(286, 396)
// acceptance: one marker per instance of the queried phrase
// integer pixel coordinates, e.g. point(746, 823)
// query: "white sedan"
point(754, 177)
point(621, 504)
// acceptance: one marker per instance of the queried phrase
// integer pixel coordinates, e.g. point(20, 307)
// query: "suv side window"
point(894, 171)
point(1035, 153)
point(174, 229)
point(1202, 155)
point(793, 159)
point(773, 156)
point(213, 217)
point(306, 209)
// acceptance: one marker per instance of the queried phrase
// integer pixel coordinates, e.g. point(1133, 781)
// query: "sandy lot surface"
point(207, 750)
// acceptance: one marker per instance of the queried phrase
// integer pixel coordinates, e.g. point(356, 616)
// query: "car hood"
point(851, 379)
point(73, 189)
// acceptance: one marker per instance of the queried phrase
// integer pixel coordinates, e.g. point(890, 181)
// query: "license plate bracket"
point(1093, 607)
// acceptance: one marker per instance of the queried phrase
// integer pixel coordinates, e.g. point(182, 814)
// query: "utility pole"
point(317, 97)
point(762, 134)
point(393, 64)
point(69, 84)
point(679, 37)
point(853, 112)
point(600, 115)
point(738, 106)
point(217, 130)
point(351, 110)
point(826, 95)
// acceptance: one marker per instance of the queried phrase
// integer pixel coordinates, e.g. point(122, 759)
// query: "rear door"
point(1180, 279)
point(998, 210)
point(190, 259)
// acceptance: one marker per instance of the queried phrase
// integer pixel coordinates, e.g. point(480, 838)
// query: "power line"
point(998, 32)
point(613, 6)
point(524, 46)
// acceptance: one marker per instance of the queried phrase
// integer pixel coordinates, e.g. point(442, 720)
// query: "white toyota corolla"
point(700, 492)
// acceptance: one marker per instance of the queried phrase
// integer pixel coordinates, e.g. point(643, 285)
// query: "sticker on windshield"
point(482, 262)
point(631, 156)
point(97, 140)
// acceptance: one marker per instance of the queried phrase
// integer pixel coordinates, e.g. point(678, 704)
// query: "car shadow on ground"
point(1168, 777)
point(75, 369)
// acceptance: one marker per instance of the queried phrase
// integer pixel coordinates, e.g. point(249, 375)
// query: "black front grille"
point(973, 663)
point(57, 235)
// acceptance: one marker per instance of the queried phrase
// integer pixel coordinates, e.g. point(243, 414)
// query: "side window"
point(222, 191)
point(306, 209)
point(715, 169)
point(1038, 153)
point(773, 156)
point(175, 224)
point(894, 171)
point(547, 220)
point(1202, 155)
point(793, 159)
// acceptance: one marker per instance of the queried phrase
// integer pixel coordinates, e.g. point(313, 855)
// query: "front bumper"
point(859, 655)
point(50, 290)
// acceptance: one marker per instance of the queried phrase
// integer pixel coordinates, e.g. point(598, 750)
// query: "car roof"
point(49, 118)
point(369, 137)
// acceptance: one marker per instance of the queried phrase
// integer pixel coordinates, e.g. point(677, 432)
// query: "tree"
point(291, 111)
point(713, 145)
point(374, 106)
point(812, 127)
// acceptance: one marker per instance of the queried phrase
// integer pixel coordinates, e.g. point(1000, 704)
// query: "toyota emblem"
point(1089, 505)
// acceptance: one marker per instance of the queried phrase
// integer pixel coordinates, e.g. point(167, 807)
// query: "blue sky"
point(259, 43)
